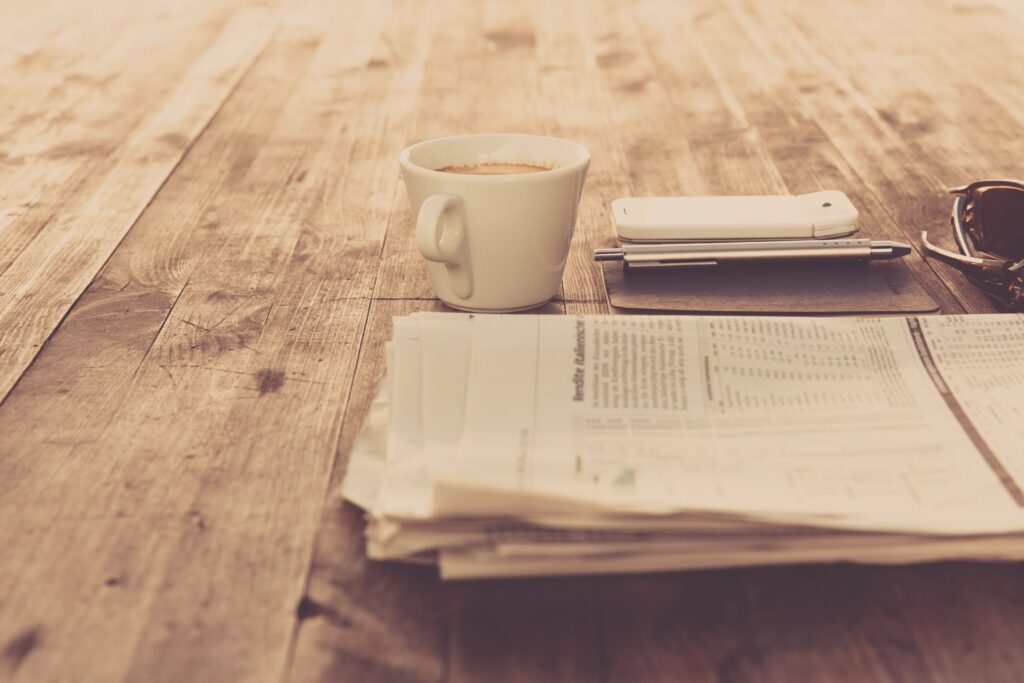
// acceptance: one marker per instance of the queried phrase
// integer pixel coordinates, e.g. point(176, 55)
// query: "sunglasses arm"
point(970, 187)
point(960, 259)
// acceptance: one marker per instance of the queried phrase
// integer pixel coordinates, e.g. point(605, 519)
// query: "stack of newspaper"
point(529, 445)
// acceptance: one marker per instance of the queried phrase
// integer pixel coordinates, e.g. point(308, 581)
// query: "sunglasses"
point(988, 224)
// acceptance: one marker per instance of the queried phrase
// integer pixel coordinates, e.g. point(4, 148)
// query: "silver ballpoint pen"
point(715, 253)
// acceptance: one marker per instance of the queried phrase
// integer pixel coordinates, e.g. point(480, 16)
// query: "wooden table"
point(203, 241)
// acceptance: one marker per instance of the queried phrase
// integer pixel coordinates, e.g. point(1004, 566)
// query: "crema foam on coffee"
point(496, 168)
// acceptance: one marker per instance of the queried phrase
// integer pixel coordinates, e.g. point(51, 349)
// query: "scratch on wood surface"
point(208, 332)
point(290, 378)
point(189, 322)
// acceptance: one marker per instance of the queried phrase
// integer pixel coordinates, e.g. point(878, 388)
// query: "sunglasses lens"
point(998, 222)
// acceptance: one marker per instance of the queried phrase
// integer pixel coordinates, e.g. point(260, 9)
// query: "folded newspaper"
point(537, 445)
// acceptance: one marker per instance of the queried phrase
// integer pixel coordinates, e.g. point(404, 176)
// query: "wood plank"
point(948, 120)
point(929, 110)
point(78, 381)
point(526, 630)
point(587, 308)
point(735, 625)
point(577, 107)
point(728, 147)
point(78, 96)
point(254, 361)
point(925, 38)
point(910, 190)
point(353, 605)
point(764, 97)
point(79, 99)
point(613, 75)
point(56, 266)
point(840, 623)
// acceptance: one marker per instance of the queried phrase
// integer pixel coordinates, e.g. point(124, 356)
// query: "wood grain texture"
point(907, 186)
point(204, 238)
point(361, 620)
point(73, 98)
point(66, 245)
point(244, 356)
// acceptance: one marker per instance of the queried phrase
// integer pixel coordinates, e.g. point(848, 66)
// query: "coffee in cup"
point(495, 168)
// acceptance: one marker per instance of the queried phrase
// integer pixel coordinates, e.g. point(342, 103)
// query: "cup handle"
point(441, 237)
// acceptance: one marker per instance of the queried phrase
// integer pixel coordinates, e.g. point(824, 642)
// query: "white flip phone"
point(824, 214)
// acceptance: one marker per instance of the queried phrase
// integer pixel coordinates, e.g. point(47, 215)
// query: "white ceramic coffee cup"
point(495, 243)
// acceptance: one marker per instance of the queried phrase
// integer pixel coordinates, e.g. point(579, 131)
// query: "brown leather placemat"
point(864, 288)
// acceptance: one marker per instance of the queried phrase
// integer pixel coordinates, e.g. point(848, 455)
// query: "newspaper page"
point(882, 420)
point(977, 363)
point(428, 365)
